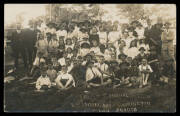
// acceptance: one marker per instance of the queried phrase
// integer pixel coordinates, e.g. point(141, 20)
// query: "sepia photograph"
point(90, 58)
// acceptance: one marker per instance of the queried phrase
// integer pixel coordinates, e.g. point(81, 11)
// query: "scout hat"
point(141, 48)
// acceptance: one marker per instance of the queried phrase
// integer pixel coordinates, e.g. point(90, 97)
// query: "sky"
point(33, 10)
point(29, 11)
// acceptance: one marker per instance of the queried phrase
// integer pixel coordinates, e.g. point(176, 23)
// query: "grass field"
point(19, 96)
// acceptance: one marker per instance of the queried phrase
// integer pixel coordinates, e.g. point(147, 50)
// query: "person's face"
point(94, 30)
point(144, 61)
point(141, 51)
point(54, 59)
point(88, 58)
point(143, 41)
point(94, 43)
point(75, 39)
point(123, 58)
point(139, 27)
point(114, 28)
point(130, 33)
point(80, 60)
point(166, 26)
point(149, 23)
point(50, 67)
point(134, 24)
point(69, 50)
point(61, 41)
point(64, 69)
point(69, 42)
point(133, 44)
point(109, 23)
point(90, 64)
point(101, 29)
point(68, 61)
point(129, 60)
point(101, 60)
point(43, 74)
point(113, 56)
point(18, 27)
point(122, 44)
point(125, 34)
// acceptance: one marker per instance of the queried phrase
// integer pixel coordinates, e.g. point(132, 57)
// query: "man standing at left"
point(18, 46)
point(30, 38)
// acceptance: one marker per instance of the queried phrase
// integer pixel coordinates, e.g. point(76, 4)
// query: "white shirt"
point(43, 81)
point(128, 41)
point(132, 52)
point(103, 67)
point(42, 44)
point(102, 37)
point(142, 67)
point(140, 33)
point(72, 34)
point(69, 68)
point(96, 50)
point(62, 33)
point(69, 55)
point(82, 35)
point(113, 36)
point(108, 54)
point(92, 73)
point(53, 44)
point(83, 52)
point(62, 61)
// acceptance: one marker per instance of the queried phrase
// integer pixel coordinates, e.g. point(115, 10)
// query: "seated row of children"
point(92, 72)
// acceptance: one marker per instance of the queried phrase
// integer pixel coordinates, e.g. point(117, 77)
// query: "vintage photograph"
point(90, 58)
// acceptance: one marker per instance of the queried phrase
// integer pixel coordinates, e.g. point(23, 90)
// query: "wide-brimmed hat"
point(121, 55)
point(142, 48)
point(134, 22)
point(51, 23)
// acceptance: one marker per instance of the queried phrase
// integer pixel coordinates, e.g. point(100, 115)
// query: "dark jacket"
point(17, 40)
point(30, 37)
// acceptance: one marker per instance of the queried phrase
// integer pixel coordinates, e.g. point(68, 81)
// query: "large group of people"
point(93, 54)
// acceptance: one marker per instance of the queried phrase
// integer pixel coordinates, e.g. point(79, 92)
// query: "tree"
point(132, 11)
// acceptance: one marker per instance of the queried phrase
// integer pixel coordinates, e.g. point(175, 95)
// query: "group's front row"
point(93, 73)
